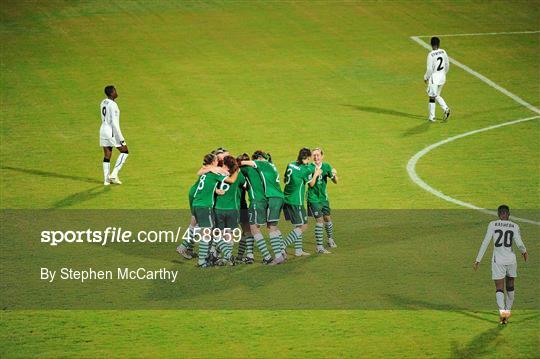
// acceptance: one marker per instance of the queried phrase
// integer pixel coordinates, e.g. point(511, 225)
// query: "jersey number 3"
point(440, 66)
point(508, 237)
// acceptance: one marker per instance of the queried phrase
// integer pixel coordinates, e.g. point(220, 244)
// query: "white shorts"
point(500, 271)
point(109, 142)
point(434, 90)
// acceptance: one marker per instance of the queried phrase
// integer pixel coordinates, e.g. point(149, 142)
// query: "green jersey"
point(231, 198)
point(318, 193)
point(204, 194)
point(296, 177)
point(255, 186)
point(270, 177)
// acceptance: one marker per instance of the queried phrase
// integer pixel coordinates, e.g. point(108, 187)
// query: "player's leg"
point(315, 212)
point(329, 227)
point(510, 293)
point(498, 273)
point(204, 217)
point(107, 153)
point(257, 217)
point(432, 94)
point(442, 103)
point(275, 205)
point(499, 296)
point(185, 249)
point(124, 153)
point(226, 222)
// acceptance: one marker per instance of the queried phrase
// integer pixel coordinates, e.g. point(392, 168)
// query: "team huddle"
point(218, 206)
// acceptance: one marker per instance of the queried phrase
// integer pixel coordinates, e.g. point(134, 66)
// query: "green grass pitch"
point(345, 76)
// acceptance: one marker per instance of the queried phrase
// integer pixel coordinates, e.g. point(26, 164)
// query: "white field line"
point(485, 33)
point(482, 78)
point(411, 168)
point(411, 165)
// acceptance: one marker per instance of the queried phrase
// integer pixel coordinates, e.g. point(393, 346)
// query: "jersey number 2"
point(508, 237)
point(440, 66)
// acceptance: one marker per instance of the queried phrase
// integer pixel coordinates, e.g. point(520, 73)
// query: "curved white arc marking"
point(411, 169)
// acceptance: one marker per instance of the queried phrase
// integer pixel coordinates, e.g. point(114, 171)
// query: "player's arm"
point(315, 175)
point(232, 178)
point(429, 68)
point(248, 163)
point(115, 123)
point(333, 175)
point(214, 169)
point(519, 243)
point(446, 63)
point(483, 247)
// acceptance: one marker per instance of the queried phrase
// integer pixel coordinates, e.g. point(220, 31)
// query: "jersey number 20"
point(505, 238)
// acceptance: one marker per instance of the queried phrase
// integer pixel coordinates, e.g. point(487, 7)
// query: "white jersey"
point(110, 120)
point(503, 234)
point(437, 67)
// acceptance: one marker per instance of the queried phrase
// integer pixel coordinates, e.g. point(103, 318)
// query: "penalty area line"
point(411, 169)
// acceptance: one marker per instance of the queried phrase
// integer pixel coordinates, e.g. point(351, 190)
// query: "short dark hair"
point(109, 90)
point(231, 163)
point(258, 154)
point(503, 208)
point(208, 159)
point(303, 154)
point(435, 41)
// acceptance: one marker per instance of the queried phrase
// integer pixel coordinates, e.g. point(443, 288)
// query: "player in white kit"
point(435, 77)
point(111, 136)
point(504, 233)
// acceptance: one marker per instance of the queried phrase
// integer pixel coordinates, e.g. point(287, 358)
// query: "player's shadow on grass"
point(416, 130)
point(50, 174)
point(384, 111)
point(82, 196)
point(410, 303)
point(480, 345)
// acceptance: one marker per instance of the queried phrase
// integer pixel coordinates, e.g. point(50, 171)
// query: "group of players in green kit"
point(221, 215)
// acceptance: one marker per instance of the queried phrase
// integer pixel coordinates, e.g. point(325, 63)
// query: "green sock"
point(329, 229)
point(319, 234)
point(261, 244)
point(291, 238)
point(242, 245)
point(224, 247)
point(275, 242)
point(203, 251)
point(249, 246)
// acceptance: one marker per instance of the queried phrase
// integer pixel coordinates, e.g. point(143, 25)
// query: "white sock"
point(509, 299)
point(441, 102)
point(106, 168)
point(119, 163)
point(500, 299)
point(432, 110)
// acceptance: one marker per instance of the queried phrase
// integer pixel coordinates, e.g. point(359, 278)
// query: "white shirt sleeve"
point(115, 123)
point(446, 63)
point(519, 243)
point(485, 243)
point(429, 69)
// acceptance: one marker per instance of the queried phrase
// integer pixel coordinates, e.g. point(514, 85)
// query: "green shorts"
point(319, 209)
point(295, 214)
point(226, 218)
point(204, 216)
point(257, 212)
point(273, 211)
